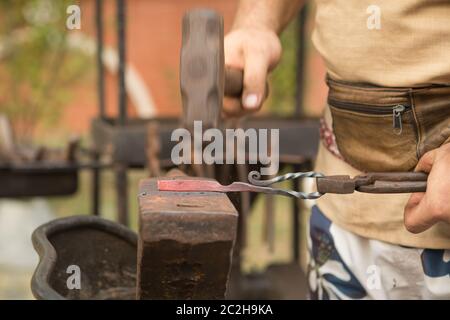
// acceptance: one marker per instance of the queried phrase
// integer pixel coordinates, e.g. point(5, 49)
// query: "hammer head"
point(202, 67)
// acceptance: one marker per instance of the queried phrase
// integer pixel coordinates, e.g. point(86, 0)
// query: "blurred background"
point(49, 96)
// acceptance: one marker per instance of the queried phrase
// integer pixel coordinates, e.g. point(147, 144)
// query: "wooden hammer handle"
point(234, 82)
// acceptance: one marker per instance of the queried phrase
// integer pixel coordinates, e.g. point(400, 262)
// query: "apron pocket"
point(375, 138)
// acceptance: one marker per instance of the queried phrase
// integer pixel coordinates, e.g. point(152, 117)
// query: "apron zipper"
point(397, 118)
point(396, 111)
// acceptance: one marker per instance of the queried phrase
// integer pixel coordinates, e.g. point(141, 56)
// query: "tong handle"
point(371, 177)
point(391, 182)
point(374, 182)
point(394, 187)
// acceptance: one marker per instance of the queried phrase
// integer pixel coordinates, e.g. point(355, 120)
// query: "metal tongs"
point(374, 182)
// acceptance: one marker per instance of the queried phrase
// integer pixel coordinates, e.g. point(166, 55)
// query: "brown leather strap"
point(367, 94)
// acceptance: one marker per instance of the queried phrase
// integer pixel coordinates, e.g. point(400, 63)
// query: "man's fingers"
point(414, 219)
point(255, 73)
point(426, 161)
point(415, 199)
point(256, 51)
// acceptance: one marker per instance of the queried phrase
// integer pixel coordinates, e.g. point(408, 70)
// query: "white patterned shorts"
point(344, 265)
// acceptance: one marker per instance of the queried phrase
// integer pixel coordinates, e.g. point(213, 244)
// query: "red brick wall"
point(153, 43)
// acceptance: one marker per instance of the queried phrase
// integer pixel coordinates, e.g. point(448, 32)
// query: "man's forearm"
point(269, 14)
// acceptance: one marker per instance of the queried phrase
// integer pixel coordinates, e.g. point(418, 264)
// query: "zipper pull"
point(397, 118)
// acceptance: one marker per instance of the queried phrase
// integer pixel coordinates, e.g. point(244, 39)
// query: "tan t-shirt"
point(392, 43)
point(402, 43)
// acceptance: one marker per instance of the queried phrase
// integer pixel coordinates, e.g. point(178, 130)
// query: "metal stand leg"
point(95, 193)
point(296, 220)
point(121, 193)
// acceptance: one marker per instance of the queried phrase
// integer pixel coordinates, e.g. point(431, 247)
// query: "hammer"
point(204, 79)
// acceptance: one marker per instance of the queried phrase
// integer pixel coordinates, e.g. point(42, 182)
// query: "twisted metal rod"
point(254, 178)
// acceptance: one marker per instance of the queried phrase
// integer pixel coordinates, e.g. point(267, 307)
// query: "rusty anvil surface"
point(185, 243)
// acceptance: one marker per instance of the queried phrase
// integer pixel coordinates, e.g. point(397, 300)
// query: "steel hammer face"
point(202, 67)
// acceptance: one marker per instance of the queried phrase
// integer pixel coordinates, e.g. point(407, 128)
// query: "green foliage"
point(283, 78)
point(37, 69)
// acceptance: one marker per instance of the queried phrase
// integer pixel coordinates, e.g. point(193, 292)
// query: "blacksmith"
point(388, 65)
